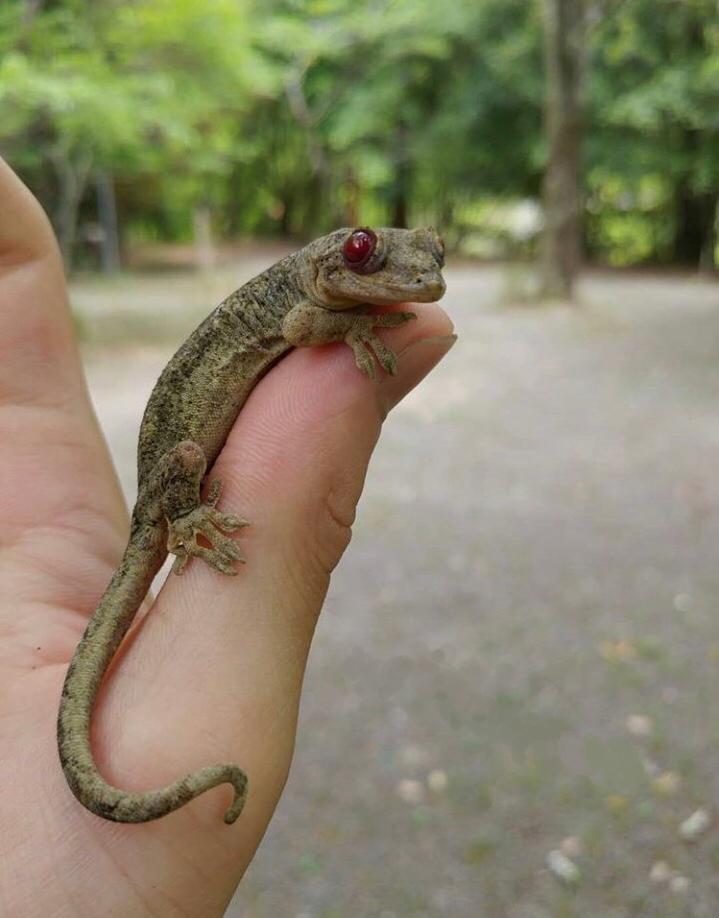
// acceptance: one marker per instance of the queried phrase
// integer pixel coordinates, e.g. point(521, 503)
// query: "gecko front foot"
point(363, 340)
point(209, 523)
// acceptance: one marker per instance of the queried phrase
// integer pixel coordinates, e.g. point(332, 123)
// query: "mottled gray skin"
point(311, 297)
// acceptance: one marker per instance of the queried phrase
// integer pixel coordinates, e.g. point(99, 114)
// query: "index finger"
point(50, 443)
point(39, 362)
point(25, 231)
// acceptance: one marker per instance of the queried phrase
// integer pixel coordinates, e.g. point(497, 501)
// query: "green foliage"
point(142, 89)
point(290, 116)
point(284, 116)
point(654, 127)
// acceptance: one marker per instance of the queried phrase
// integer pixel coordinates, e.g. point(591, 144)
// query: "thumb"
point(215, 672)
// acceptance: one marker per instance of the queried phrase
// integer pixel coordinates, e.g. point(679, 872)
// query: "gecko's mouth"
point(420, 291)
point(432, 291)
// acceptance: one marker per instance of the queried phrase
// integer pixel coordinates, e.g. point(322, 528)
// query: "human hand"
point(214, 672)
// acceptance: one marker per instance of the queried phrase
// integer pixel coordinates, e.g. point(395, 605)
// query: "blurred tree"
point(287, 116)
point(654, 160)
point(565, 28)
point(362, 86)
point(292, 116)
point(418, 109)
point(117, 88)
point(485, 140)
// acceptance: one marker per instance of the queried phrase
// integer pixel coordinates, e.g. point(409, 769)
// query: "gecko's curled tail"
point(110, 802)
point(94, 653)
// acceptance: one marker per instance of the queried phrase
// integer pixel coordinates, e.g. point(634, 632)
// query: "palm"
point(215, 672)
point(63, 527)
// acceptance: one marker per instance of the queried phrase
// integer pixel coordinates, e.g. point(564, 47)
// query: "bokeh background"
point(171, 120)
point(510, 704)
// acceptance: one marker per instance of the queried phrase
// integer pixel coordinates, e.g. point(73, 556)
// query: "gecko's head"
point(380, 267)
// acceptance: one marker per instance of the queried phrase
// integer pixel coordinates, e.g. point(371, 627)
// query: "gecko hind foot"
point(209, 523)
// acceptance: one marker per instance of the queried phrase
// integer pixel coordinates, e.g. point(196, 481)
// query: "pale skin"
point(189, 687)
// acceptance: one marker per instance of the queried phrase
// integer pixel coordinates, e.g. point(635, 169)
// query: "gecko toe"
point(208, 523)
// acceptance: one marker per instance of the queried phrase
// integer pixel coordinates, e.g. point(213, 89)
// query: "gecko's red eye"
point(359, 248)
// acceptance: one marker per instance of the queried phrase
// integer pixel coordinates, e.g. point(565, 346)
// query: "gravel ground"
point(518, 655)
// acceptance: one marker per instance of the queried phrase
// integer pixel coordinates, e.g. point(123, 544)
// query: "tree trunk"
point(72, 180)
point(695, 208)
point(107, 218)
point(352, 200)
point(565, 61)
point(401, 189)
point(400, 205)
point(202, 231)
point(30, 9)
point(695, 236)
point(695, 212)
point(319, 185)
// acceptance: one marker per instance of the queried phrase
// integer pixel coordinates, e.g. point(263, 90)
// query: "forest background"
point(177, 120)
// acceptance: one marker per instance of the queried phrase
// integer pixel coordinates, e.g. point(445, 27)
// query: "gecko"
point(317, 295)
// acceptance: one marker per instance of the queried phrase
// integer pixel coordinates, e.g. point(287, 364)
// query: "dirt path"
point(521, 647)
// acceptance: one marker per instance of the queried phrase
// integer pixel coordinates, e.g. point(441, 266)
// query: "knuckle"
point(334, 529)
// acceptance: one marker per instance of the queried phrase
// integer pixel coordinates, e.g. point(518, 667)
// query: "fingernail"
point(415, 362)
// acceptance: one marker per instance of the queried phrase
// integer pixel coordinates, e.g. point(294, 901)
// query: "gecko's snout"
point(430, 288)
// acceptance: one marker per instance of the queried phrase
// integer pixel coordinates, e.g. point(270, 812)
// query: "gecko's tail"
point(110, 802)
point(92, 657)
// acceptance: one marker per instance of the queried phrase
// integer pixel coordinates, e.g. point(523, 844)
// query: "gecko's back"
point(203, 387)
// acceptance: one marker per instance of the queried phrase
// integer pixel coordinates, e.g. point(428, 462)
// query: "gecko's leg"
point(307, 325)
point(189, 518)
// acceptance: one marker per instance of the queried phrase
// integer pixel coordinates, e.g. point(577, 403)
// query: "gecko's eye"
point(359, 249)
